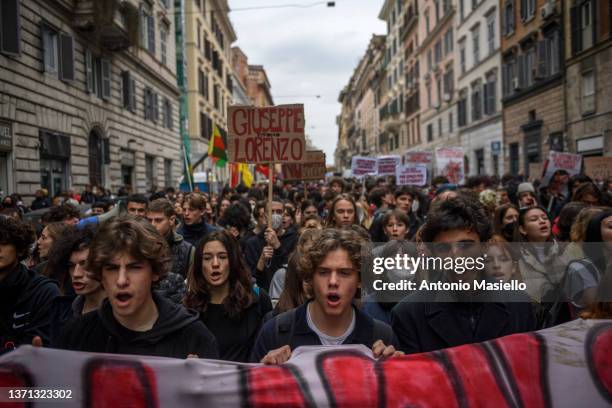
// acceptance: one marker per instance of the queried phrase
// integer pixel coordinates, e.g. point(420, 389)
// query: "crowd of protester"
point(229, 276)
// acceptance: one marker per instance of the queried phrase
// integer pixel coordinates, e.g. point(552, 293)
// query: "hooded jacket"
point(254, 247)
point(177, 333)
point(194, 232)
point(25, 307)
point(182, 254)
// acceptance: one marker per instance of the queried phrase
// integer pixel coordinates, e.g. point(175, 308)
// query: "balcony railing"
point(112, 24)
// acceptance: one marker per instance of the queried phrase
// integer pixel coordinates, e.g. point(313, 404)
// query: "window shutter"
point(106, 151)
point(10, 27)
point(89, 77)
point(155, 99)
point(146, 101)
point(542, 66)
point(106, 78)
point(125, 88)
point(132, 106)
point(143, 26)
point(151, 34)
point(521, 70)
point(594, 21)
point(524, 10)
point(66, 57)
point(492, 97)
point(576, 23)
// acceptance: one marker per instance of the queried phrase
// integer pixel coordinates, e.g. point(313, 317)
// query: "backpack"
point(285, 323)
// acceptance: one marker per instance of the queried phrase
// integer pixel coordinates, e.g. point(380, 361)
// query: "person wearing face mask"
point(269, 250)
point(541, 265)
point(220, 289)
point(584, 275)
point(504, 221)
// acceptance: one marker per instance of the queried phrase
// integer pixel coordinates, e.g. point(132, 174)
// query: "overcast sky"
point(307, 52)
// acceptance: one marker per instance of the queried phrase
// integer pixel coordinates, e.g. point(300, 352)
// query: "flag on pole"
point(247, 176)
point(234, 174)
point(260, 168)
point(216, 148)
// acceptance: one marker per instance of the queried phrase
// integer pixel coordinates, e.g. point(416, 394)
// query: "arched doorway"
point(95, 158)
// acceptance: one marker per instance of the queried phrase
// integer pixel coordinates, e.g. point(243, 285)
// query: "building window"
point(163, 40)
point(150, 172)
point(429, 60)
point(587, 11)
point(168, 172)
point(480, 162)
point(490, 95)
point(439, 127)
point(514, 158)
point(491, 33)
point(168, 122)
point(439, 92)
point(509, 76)
point(216, 96)
point(462, 56)
point(448, 42)
point(203, 83)
point(438, 52)
point(449, 84)
point(427, 24)
point(450, 122)
point(462, 109)
point(462, 9)
point(50, 49)
point(429, 95)
point(476, 102)
point(151, 105)
point(98, 75)
point(476, 44)
point(10, 23)
point(588, 92)
point(147, 31)
point(430, 132)
point(128, 86)
point(509, 18)
point(437, 7)
point(527, 9)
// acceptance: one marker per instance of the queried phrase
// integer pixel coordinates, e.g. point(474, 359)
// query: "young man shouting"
point(332, 270)
point(128, 255)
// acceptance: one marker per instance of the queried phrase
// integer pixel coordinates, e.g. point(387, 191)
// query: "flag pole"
point(270, 188)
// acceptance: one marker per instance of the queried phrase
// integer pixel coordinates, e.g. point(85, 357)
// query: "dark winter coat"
point(182, 254)
point(254, 247)
point(195, 232)
point(177, 333)
point(26, 300)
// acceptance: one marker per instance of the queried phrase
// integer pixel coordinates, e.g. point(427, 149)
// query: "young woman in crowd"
point(566, 219)
point(541, 265)
point(49, 234)
point(220, 288)
point(588, 194)
point(504, 219)
point(584, 275)
point(395, 225)
point(500, 262)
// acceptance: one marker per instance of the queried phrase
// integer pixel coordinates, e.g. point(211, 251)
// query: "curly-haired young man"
point(25, 297)
point(128, 255)
point(332, 270)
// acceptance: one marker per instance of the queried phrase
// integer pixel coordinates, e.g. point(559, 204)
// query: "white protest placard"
point(411, 175)
point(572, 163)
point(364, 166)
point(266, 134)
point(449, 163)
point(418, 157)
point(387, 164)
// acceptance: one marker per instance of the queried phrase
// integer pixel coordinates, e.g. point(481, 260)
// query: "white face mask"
point(277, 221)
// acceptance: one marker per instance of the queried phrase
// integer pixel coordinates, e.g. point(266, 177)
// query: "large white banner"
point(364, 166)
point(564, 366)
point(449, 163)
point(411, 175)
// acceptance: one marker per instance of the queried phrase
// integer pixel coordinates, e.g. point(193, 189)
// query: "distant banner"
point(411, 175)
point(364, 166)
point(418, 157)
point(572, 163)
point(598, 168)
point(267, 134)
point(312, 168)
point(564, 366)
point(387, 165)
point(449, 163)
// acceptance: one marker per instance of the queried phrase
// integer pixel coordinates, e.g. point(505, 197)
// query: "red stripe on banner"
point(417, 380)
point(351, 380)
point(602, 359)
point(13, 377)
point(274, 387)
point(113, 384)
point(524, 356)
point(477, 376)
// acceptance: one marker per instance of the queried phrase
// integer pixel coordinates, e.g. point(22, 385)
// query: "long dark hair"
point(240, 295)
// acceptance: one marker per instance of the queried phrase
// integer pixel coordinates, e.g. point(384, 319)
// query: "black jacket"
point(427, 326)
point(177, 333)
point(254, 247)
point(363, 333)
point(195, 232)
point(26, 300)
point(182, 254)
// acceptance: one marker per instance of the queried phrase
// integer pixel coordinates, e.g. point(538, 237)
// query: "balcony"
point(112, 24)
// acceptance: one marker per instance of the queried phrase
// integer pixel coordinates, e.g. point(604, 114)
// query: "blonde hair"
point(578, 231)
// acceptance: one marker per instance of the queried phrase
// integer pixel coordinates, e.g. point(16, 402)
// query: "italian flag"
point(216, 148)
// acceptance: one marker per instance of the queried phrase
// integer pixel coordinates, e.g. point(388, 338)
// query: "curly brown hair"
point(131, 235)
point(240, 291)
point(331, 217)
point(332, 239)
